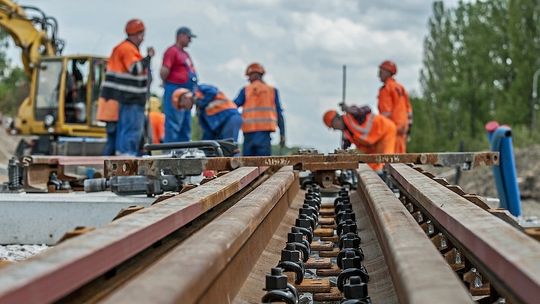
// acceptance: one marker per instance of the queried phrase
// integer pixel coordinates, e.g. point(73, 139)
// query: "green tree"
point(479, 59)
point(14, 84)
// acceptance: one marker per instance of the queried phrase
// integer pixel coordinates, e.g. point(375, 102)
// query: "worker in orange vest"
point(156, 118)
point(370, 133)
point(261, 113)
point(394, 103)
point(124, 93)
point(218, 116)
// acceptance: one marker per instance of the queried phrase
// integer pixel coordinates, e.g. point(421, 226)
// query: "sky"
point(302, 45)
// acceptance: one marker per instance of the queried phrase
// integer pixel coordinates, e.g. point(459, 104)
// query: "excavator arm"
point(33, 31)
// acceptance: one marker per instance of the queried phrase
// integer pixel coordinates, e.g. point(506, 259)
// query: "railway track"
point(223, 241)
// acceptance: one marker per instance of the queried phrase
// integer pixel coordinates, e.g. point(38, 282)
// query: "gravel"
point(20, 252)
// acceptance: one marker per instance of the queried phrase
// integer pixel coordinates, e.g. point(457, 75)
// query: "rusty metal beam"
point(68, 266)
point(467, 160)
point(413, 261)
point(508, 257)
point(190, 271)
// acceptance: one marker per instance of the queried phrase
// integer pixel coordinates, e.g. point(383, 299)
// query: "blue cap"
point(185, 30)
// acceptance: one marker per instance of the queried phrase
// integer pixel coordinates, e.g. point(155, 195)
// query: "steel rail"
point(509, 258)
point(188, 272)
point(413, 261)
point(148, 166)
point(68, 266)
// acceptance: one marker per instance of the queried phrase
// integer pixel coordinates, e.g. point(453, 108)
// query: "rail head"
point(415, 261)
point(75, 262)
point(508, 257)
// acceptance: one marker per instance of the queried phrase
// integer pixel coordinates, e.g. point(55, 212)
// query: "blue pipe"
point(505, 174)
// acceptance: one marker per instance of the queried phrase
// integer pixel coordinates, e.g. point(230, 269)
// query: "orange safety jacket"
point(157, 123)
point(393, 103)
point(259, 110)
point(375, 135)
point(125, 81)
point(219, 104)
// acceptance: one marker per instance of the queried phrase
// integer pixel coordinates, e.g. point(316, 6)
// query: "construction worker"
point(176, 72)
point(394, 103)
point(124, 92)
point(156, 119)
point(218, 116)
point(261, 113)
point(370, 133)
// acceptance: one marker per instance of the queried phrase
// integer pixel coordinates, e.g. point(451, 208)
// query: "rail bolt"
point(279, 289)
point(357, 252)
point(290, 262)
point(313, 203)
point(350, 237)
point(355, 289)
point(306, 214)
point(306, 232)
point(346, 226)
point(297, 239)
point(345, 215)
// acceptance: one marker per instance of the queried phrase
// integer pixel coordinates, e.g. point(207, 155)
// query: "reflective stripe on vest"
point(126, 84)
point(259, 111)
point(219, 105)
point(357, 128)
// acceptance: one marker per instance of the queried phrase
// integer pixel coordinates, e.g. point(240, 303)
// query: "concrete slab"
point(43, 218)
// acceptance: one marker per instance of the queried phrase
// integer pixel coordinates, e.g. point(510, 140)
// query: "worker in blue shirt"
point(218, 116)
point(261, 113)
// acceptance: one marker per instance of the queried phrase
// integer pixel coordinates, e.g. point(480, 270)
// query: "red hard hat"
point(389, 66)
point(328, 117)
point(134, 26)
point(255, 68)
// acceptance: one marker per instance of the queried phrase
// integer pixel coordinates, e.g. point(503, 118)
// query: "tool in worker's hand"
point(344, 142)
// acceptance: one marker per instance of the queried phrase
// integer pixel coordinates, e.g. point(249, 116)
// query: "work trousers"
point(401, 143)
point(177, 122)
point(110, 144)
point(130, 129)
point(257, 144)
point(229, 129)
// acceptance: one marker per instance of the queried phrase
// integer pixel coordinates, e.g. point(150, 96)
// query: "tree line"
point(479, 62)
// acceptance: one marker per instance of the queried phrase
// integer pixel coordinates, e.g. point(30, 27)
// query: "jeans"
point(229, 129)
point(257, 144)
point(130, 129)
point(110, 145)
point(177, 122)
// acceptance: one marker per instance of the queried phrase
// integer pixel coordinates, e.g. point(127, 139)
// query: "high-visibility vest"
point(376, 135)
point(259, 111)
point(157, 123)
point(125, 81)
point(219, 104)
point(393, 103)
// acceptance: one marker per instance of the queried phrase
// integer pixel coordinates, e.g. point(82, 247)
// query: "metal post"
point(534, 99)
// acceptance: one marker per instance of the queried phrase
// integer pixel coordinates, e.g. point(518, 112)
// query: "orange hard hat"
point(178, 93)
point(329, 117)
point(134, 26)
point(389, 66)
point(255, 68)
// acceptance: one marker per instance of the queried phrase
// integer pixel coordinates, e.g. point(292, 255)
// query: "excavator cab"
point(62, 105)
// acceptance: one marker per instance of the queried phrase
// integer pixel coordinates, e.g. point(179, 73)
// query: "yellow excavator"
point(61, 106)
